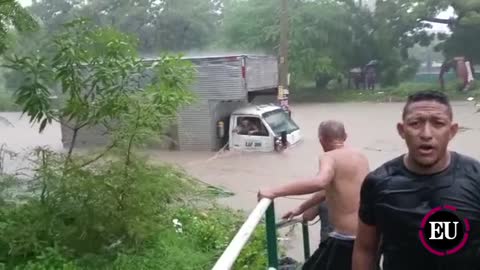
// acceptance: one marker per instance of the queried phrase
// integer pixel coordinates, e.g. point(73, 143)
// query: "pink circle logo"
point(443, 232)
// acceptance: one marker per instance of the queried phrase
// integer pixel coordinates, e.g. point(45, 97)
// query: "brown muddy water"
point(370, 126)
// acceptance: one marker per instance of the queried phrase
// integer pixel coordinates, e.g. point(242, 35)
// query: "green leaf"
point(43, 125)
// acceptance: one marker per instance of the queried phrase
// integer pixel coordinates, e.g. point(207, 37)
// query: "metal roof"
point(257, 109)
point(212, 56)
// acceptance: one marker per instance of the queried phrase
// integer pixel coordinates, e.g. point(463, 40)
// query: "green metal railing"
point(264, 207)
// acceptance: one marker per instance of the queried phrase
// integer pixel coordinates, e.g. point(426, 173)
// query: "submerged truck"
point(273, 129)
point(233, 93)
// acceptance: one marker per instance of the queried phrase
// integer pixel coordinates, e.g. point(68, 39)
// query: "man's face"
point(427, 129)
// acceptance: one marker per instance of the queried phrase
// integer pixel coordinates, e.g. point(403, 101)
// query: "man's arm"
point(253, 129)
point(311, 213)
point(314, 201)
point(317, 183)
point(365, 250)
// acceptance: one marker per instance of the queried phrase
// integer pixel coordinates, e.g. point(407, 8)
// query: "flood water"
point(370, 126)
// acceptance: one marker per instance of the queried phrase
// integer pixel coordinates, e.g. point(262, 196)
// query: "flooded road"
point(19, 136)
point(370, 126)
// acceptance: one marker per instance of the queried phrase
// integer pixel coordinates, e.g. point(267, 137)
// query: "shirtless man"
point(341, 172)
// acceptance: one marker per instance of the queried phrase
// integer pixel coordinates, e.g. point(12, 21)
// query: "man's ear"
point(401, 130)
point(453, 130)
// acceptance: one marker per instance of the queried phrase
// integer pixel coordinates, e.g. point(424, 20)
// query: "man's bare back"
point(343, 192)
point(341, 173)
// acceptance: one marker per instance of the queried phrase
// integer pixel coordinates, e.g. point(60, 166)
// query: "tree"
point(167, 25)
point(321, 34)
point(395, 29)
point(90, 204)
point(13, 16)
point(465, 28)
point(418, 15)
point(427, 54)
point(101, 81)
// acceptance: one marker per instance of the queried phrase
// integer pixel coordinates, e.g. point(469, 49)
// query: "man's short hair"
point(428, 95)
point(332, 130)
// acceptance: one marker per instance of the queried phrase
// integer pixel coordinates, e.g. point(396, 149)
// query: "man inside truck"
point(247, 127)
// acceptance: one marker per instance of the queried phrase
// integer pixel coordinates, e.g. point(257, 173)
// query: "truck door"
point(250, 134)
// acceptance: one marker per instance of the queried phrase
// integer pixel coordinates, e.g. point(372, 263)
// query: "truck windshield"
point(279, 121)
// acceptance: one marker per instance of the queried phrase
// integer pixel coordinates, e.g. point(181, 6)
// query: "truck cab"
point(263, 128)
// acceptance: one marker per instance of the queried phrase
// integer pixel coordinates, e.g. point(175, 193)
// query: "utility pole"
point(283, 59)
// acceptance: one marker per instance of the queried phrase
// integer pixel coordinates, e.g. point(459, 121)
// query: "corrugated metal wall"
point(194, 127)
point(216, 79)
point(262, 72)
point(221, 110)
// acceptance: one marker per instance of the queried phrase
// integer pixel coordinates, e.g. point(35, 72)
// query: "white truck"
point(262, 128)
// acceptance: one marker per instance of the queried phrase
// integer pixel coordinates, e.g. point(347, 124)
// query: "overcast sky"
point(25, 2)
point(436, 27)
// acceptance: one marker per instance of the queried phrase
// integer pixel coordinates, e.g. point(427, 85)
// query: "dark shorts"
point(333, 254)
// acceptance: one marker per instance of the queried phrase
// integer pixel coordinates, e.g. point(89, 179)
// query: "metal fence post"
point(271, 237)
point(306, 240)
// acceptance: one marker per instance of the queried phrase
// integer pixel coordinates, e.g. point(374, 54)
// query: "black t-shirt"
point(396, 200)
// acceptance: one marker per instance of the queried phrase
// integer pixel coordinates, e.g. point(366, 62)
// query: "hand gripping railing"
point(265, 206)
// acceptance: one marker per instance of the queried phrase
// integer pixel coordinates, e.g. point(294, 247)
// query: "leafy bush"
point(110, 210)
point(405, 89)
point(213, 229)
point(204, 234)
point(90, 210)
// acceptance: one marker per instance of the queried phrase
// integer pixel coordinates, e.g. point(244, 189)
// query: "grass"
point(390, 94)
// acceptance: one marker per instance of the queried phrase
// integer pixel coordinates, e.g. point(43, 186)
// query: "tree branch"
point(438, 20)
point(99, 156)
point(72, 144)
point(130, 142)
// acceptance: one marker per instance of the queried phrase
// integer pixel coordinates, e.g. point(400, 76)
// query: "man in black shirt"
point(397, 199)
